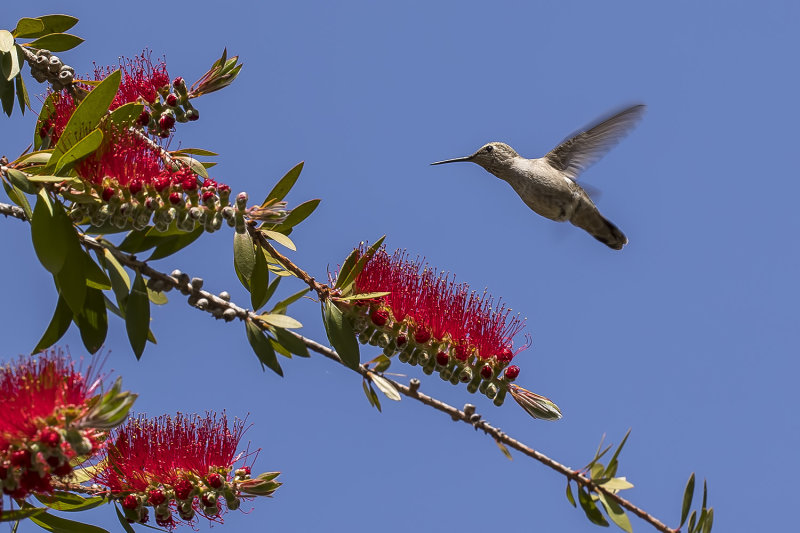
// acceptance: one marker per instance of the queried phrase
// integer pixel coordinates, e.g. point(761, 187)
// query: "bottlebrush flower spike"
point(182, 464)
point(424, 316)
point(44, 420)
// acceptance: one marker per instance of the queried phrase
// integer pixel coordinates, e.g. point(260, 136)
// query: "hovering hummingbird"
point(547, 185)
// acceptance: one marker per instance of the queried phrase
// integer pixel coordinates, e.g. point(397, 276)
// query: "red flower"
point(40, 398)
point(190, 457)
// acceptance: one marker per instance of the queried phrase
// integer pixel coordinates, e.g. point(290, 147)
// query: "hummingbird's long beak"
point(456, 160)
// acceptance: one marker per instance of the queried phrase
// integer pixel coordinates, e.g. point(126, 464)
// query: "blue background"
point(688, 336)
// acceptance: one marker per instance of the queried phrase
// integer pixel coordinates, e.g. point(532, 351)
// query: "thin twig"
point(186, 286)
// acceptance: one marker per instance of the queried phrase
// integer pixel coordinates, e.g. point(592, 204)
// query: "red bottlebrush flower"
point(140, 77)
point(192, 456)
point(135, 186)
point(40, 398)
point(439, 308)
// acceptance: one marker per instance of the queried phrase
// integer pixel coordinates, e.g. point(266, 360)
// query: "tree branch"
point(215, 303)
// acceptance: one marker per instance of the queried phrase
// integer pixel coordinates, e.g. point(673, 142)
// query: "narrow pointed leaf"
point(54, 24)
point(79, 150)
point(50, 234)
point(504, 450)
point(692, 521)
point(282, 188)
point(59, 324)
point(137, 315)
point(20, 181)
point(359, 266)
point(341, 334)
point(195, 151)
point(93, 320)
point(709, 521)
point(69, 502)
point(244, 257)
point(196, 166)
point(297, 215)
point(27, 27)
point(120, 281)
point(259, 280)
point(71, 279)
point(688, 493)
point(262, 348)
point(6, 93)
point(22, 94)
point(56, 524)
point(367, 392)
point(57, 42)
point(87, 115)
point(291, 342)
point(705, 494)
point(346, 268)
point(570, 497)
point(616, 513)
point(618, 483)
point(21, 514)
point(281, 321)
point(280, 238)
point(592, 512)
point(385, 386)
point(18, 198)
point(126, 114)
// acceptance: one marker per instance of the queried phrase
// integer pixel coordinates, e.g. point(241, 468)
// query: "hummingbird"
point(548, 184)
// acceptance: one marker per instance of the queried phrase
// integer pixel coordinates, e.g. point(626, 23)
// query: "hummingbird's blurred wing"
point(580, 151)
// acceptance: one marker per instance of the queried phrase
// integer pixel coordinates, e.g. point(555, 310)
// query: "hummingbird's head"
point(490, 156)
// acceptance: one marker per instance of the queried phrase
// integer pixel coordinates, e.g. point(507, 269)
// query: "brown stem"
point(182, 283)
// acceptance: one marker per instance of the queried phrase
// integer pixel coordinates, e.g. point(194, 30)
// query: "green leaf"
point(7, 95)
point(57, 524)
point(81, 149)
point(262, 348)
point(291, 342)
point(120, 281)
point(340, 334)
point(48, 108)
point(297, 215)
point(709, 521)
point(385, 386)
point(611, 471)
point(504, 450)
point(618, 483)
point(138, 241)
point(21, 514)
point(195, 151)
point(27, 27)
point(196, 166)
point(367, 392)
point(95, 277)
point(278, 347)
point(87, 115)
point(123, 521)
point(359, 266)
point(12, 63)
point(6, 41)
point(570, 497)
point(156, 297)
point(272, 287)
point(244, 257)
point(57, 42)
point(280, 238)
point(126, 114)
point(18, 198)
point(363, 296)
point(59, 324)
point(259, 280)
point(284, 304)
point(280, 321)
point(20, 181)
point(282, 188)
point(692, 521)
point(705, 494)
point(137, 315)
point(615, 513)
point(688, 493)
point(71, 279)
point(57, 23)
point(67, 501)
point(93, 320)
point(592, 512)
point(175, 243)
point(22, 94)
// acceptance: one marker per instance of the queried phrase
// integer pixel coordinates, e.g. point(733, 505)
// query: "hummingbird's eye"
point(488, 149)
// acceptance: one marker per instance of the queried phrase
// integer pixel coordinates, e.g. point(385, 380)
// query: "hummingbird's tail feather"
point(589, 218)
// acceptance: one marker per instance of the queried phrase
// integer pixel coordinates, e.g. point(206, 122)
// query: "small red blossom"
point(172, 100)
point(175, 198)
point(167, 121)
point(512, 372)
point(130, 502)
point(486, 372)
point(156, 497)
point(379, 317)
point(442, 358)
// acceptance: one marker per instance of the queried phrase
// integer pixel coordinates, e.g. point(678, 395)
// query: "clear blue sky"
point(688, 336)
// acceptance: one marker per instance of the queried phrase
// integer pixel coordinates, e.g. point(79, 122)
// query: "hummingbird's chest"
point(544, 189)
